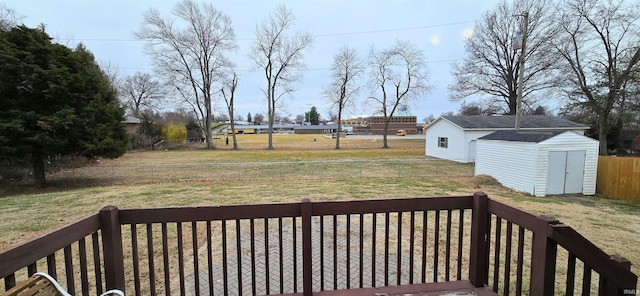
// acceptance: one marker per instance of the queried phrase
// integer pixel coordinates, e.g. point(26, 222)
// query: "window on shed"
point(443, 142)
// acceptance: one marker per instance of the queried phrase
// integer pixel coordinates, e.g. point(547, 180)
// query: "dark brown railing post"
point(112, 245)
point(613, 290)
point(307, 260)
point(543, 258)
point(479, 258)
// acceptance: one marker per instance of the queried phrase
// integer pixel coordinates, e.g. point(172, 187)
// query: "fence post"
point(307, 261)
point(112, 245)
point(543, 258)
point(479, 259)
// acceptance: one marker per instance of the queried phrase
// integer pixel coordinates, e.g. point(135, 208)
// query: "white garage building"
point(539, 163)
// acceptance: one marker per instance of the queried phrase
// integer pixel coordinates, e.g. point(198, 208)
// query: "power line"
point(299, 69)
point(393, 30)
point(317, 36)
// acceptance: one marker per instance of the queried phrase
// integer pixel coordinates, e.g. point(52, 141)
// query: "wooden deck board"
point(431, 289)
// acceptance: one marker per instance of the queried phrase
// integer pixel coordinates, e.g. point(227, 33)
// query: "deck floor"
point(454, 288)
point(267, 277)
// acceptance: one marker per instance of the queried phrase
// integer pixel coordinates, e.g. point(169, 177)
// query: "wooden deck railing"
point(318, 246)
point(550, 272)
point(68, 243)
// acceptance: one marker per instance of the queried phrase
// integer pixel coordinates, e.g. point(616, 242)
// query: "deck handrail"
point(24, 254)
point(614, 268)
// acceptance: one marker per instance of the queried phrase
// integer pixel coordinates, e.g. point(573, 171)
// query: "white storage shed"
point(539, 163)
point(454, 137)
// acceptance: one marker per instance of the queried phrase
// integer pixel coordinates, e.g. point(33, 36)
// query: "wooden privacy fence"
point(619, 177)
point(388, 246)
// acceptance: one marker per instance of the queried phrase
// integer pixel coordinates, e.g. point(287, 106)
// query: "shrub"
point(173, 132)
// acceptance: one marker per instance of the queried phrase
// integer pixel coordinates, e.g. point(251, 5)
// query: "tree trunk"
point(207, 124)
point(386, 131)
point(339, 128)
point(513, 104)
point(271, 116)
point(271, 119)
point(602, 134)
point(207, 134)
point(38, 169)
point(233, 134)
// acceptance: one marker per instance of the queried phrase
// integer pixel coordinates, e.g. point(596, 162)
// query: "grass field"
point(612, 225)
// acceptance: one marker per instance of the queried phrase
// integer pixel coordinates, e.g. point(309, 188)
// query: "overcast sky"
point(438, 27)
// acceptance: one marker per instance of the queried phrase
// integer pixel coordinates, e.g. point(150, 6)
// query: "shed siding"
point(472, 136)
point(568, 142)
point(511, 163)
point(456, 147)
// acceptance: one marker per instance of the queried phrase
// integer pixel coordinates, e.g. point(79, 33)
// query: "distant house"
point(260, 129)
point(315, 129)
point(454, 137)
point(131, 124)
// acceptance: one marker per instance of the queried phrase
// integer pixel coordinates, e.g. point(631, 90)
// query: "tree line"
point(190, 52)
point(582, 55)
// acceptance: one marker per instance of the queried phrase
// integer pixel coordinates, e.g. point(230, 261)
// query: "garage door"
point(566, 172)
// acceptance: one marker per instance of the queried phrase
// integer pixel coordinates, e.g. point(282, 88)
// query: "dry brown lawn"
point(612, 225)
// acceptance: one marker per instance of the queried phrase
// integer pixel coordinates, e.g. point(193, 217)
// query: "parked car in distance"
point(401, 133)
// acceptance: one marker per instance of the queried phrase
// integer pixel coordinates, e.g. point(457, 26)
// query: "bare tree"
point(279, 56)
point(429, 118)
point(188, 52)
point(141, 93)
point(8, 17)
point(599, 47)
point(540, 110)
point(490, 68)
point(112, 72)
point(477, 109)
point(342, 88)
point(333, 117)
point(398, 76)
point(258, 118)
point(221, 117)
point(229, 96)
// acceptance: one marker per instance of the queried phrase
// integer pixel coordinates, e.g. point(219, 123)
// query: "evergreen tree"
point(55, 101)
point(313, 116)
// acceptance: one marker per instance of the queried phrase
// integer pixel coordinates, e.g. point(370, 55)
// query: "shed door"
point(566, 172)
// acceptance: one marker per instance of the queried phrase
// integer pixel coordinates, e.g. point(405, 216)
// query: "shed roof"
point(316, 127)
point(263, 126)
point(521, 136)
point(131, 120)
point(508, 122)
